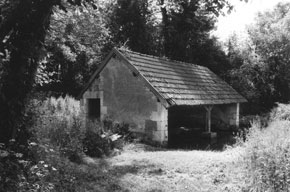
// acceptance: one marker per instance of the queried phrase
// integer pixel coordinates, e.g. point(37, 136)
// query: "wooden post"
point(206, 120)
point(238, 115)
point(208, 117)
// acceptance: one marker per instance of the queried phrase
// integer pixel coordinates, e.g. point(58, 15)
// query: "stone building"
point(159, 98)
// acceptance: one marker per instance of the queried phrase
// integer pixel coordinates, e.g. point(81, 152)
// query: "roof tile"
point(183, 83)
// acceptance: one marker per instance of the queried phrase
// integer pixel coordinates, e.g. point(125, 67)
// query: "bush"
point(281, 112)
point(20, 172)
point(102, 139)
point(11, 171)
point(267, 153)
point(121, 129)
point(96, 145)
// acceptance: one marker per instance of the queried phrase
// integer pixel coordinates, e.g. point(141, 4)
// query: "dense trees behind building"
point(79, 38)
point(54, 46)
point(260, 62)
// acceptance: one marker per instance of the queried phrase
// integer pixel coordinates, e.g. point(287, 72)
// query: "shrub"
point(267, 153)
point(110, 135)
point(123, 133)
point(281, 112)
point(122, 129)
point(20, 172)
point(96, 145)
point(11, 171)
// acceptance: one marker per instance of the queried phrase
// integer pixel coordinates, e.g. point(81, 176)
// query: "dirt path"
point(141, 168)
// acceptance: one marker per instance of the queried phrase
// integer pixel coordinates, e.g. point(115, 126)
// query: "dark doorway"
point(186, 128)
point(94, 109)
point(185, 125)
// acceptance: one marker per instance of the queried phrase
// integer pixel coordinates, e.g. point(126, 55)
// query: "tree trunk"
point(27, 34)
point(165, 30)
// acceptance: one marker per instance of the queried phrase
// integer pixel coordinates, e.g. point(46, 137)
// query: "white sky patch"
point(242, 15)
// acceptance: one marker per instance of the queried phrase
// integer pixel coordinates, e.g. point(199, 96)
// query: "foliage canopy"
point(260, 64)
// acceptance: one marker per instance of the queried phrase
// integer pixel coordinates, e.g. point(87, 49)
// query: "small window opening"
point(134, 74)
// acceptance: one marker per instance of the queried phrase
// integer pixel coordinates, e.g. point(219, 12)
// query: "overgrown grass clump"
point(62, 124)
point(267, 152)
point(59, 124)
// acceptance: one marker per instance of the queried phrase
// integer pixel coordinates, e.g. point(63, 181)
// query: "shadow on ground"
point(195, 141)
point(191, 141)
point(101, 175)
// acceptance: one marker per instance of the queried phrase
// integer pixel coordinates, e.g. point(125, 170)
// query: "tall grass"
point(267, 152)
point(60, 143)
point(59, 124)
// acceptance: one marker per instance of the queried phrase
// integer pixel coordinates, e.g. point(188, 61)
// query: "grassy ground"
point(143, 168)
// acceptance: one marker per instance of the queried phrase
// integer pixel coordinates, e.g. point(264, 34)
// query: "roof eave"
point(96, 73)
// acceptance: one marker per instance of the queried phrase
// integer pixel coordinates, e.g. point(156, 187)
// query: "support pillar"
point(238, 115)
point(211, 137)
point(208, 118)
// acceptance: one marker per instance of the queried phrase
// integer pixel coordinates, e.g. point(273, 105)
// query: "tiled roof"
point(182, 83)
point(174, 82)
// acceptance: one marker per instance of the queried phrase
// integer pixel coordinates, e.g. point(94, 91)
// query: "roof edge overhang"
point(206, 104)
point(97, 72)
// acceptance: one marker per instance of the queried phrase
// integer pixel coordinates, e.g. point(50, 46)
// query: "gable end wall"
point(125, 98)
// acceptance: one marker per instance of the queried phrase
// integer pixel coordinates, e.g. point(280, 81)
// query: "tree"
point(178, 30)
point(132, 24)
point(186, 27)
point(74, 45)
point(260, 64)
point(271, 38)
point(244, 73)
point(23, 27)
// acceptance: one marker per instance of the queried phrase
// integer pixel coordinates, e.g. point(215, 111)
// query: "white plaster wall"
point(125, 98)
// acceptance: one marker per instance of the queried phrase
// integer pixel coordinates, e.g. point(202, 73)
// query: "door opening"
point(94, 109)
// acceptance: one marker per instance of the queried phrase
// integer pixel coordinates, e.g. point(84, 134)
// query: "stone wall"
point(160, 129)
